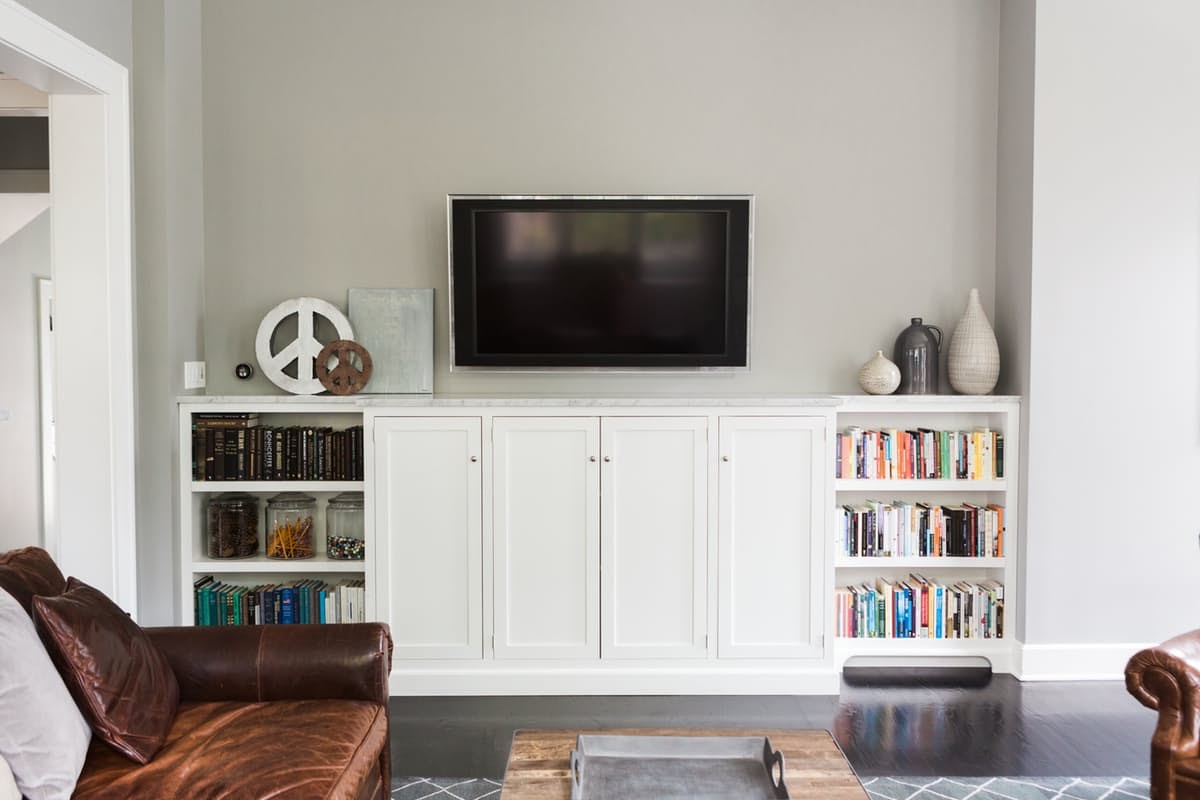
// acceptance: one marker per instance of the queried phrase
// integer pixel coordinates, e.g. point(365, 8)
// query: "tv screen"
point(600, 282)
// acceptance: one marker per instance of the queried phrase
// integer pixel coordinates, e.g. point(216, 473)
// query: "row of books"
point(922, 453)
point(919, 608)
point(234, 447)
point(903, 529)
point(311, 601)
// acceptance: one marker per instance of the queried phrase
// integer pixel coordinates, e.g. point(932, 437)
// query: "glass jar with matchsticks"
point(290, 525)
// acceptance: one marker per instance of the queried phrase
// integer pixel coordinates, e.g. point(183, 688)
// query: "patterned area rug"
point(1007, 788)
point(922, 788)
point(445, 788)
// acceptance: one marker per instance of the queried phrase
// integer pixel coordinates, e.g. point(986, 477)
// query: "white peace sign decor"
point(304, 349)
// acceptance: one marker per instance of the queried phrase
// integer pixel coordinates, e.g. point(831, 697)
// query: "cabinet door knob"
point(474, 459)
point(591, 458)
point(608, 458)
point(724, 458)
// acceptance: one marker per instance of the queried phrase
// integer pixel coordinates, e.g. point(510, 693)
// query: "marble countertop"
point(501, 400)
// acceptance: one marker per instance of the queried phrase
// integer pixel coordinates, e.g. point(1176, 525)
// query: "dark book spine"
point(322, 441)
point(268, 453)
point(240, 455)
point(356, 454)
point(287, 606)
point(219, 462)
point(197, 453)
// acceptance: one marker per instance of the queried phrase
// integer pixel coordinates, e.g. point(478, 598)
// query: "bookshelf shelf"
point(263, 564)
point(914, 414)
point(276, 486)
point(322, 420)
point(913, 651)
point(919, 562)
point(927, 485)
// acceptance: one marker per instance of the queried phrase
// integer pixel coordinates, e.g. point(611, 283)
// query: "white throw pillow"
point(43, 737)
point(8, 786)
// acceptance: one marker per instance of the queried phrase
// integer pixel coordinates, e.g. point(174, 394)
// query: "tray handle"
point(576, 776)
point(774, 762)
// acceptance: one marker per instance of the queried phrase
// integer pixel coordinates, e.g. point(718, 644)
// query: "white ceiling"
point(19, 98)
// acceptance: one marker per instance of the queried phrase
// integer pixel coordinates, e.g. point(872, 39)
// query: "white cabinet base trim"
point(1074, 662)
point(434, 681)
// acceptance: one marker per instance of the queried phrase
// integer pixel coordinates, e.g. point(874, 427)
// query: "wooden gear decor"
point(344, 378)
point(304, 348)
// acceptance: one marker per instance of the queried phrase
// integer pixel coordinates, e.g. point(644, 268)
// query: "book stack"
point(311, 601)
point(893, 454)
point(234, 447)
point(903, 529)
point(920, 608)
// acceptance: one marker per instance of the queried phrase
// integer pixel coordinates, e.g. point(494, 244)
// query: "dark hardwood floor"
point(1002, 728)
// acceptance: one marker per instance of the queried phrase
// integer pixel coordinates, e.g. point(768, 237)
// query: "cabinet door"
point(429, 532)
point(546, 527)
point(653, 537)
point(771, 512)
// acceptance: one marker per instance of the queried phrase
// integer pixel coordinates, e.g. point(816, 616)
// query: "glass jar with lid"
point(232, 526)
point(344, 527)
point(290, 525)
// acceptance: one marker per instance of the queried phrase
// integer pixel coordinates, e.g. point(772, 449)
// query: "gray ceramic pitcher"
point(917, 356)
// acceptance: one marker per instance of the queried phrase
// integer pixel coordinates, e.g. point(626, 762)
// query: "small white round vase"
point(879, 375)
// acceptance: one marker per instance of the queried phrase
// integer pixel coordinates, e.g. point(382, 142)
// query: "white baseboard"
point(1073, 662)
point(407, 681)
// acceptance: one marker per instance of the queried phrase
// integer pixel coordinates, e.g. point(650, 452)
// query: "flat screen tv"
point(600, 282)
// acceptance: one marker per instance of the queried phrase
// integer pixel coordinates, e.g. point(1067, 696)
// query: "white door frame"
point(46, 393)
point(91, 265)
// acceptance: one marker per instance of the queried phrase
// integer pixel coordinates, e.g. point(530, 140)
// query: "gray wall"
point(1014, 229)
point(169, 265)
point(334, 131)
point(104, 24)
point(1115, 322)
point(24, 257)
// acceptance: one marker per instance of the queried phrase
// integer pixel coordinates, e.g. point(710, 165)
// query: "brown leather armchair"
point(1167, 679)
point(280, 711)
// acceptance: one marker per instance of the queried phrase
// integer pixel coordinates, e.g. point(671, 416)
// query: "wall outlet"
point(193, 374)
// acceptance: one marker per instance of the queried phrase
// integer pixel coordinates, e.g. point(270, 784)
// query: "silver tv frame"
point(450, 198)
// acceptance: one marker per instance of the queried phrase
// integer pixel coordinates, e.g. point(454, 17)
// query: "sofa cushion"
point(43, 737)
point(121, 682)
point(30, 571)
point(293, 749)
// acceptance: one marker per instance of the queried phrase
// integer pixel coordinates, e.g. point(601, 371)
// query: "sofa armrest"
point(348, 661)
point(1167, 678)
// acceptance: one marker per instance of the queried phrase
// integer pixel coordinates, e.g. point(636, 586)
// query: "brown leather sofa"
point(279, 711)
point(1167, 679)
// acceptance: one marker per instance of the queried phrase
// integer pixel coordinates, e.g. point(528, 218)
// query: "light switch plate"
point(193, 374)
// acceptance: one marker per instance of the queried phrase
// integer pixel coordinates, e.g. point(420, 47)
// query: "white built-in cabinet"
point(546, 535)
point(653, 537)
point(771, 497)
point(428, 519)
point(593, 546)
point(600, 533)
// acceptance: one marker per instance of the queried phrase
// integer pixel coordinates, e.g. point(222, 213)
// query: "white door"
point(769, 537)
point(653, 537)
point(546, 528)
point(428, 490)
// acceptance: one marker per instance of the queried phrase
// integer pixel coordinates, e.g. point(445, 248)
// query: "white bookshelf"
point(938, 412)
point(195, 496)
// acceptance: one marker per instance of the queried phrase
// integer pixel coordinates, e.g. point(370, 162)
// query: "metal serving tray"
point(667, 767)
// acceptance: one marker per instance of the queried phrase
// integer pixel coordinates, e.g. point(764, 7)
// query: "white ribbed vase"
point(973, 362)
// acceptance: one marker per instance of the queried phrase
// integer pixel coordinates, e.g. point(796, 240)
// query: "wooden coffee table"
point(539, 763)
